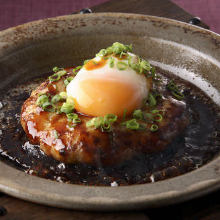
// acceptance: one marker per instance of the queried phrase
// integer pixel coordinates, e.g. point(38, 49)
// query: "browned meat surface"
point(86, 145)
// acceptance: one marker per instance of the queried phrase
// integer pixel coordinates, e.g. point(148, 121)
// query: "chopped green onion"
point(45, 104)
point(134, 66)
point(102, 53)
point(56, 76)
point(111, 62)
point(106, 127)
point(138, 114)
point(109, 50)
point(73, 117)
point(158, 117)
point(75, 69)
point(172, 86)
point(67, 108)
point(154, 111)
point(116, 48)
point(102, 122)
point(153, 72)
point(56, 98)
point(95, 122)
point(177, 94)
point(148, 116)
point(85, 62)
point(152, 101)
point(119, 49)
point(132, 124)
point(48, 107)
point(62, 72)
point(63, 95)
point(123, 54)
point(122, 65)
point(56, 69)
point(145, 65)
point(68, 80)
point(110, 118)
point(42, 99)
point(175, 90)
point(154, 127)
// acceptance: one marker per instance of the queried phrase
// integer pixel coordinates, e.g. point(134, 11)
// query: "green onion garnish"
point(42, 99)
point(116, 49)
point(152, 100)
point(56, 99)
point(154, 111)
point(56, 69)
point(102, 122)
point(102, 52)
point(120, 50)
point(134, 66)
point(144, 65)
point(132, 124)
point(175, 90)
point(122, 65)
point(110, 118)
point(111, 62)
point(73, 117)
point(138, 114)
point(63, 95)
point(95, 122)
point(68, 80)
point(148, 115)
point(158, 117)
point(154, 127)
point(153, 72)
point(177, 94)
point(67, 108)
point(48, 107)
point(56, 76)
point(45, 104)
point(75, 70)
point(85, 62)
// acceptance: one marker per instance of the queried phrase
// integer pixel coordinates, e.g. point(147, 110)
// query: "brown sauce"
point(197, 145)
point(92, 64)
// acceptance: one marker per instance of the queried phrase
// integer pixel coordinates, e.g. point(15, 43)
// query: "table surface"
point(207, 207)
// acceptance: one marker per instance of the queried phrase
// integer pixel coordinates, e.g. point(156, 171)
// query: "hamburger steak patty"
point(93, 146)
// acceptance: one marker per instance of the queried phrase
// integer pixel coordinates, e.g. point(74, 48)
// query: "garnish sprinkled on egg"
point(111, 82)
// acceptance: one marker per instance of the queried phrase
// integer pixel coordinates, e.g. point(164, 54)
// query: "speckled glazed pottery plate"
point(185, 50)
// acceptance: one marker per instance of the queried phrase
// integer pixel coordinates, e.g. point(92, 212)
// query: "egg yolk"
point(98, 97)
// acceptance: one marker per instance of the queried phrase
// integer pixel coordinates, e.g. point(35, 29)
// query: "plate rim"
point(17, 183)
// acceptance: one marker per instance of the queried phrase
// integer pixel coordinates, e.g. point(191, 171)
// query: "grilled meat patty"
point(93, 146)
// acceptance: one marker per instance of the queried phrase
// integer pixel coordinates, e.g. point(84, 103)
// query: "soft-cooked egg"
point(108, 86)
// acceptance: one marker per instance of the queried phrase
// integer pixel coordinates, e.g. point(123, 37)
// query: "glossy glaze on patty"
point(93, 146)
